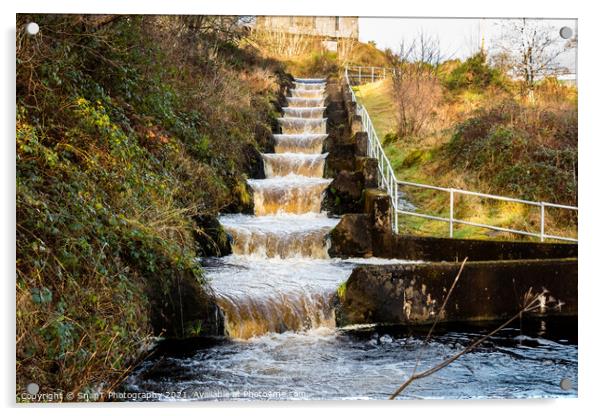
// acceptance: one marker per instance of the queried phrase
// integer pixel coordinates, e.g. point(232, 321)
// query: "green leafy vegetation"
point(129, 129)
point(474, 73)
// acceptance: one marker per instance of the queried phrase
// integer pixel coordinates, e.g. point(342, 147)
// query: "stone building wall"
point(327, 26)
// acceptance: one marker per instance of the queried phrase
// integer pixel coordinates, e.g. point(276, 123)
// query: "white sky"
point(458, 37)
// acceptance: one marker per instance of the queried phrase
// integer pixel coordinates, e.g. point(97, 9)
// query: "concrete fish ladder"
point(281, 277)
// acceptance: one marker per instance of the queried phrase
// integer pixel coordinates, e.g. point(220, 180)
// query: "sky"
point(458, 38)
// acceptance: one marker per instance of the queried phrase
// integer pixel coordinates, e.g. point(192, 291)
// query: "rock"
point(182, 307)
point(356, 124)
point(211, 238)
point(369, 168)
point(352, 237)
point(341, 156)
point(361, 145)
point(378, 204)
point(344, 194)
point(349, 184)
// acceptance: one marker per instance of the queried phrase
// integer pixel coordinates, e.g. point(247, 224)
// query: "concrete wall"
point(412, 294)
point(312, 25)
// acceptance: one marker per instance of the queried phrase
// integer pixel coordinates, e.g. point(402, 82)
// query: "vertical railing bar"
point(451, 213)
point(396, 220)
point(542, 224)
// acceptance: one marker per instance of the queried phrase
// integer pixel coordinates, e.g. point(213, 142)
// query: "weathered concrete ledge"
point(412, 294)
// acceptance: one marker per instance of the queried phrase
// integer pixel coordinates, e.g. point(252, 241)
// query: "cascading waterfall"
point(307, 93)
point(294, 164)
point(305, 102)
point(306, 112)
point(280, 277)
point(299, 143)
point(299, 125)
point(282, 236)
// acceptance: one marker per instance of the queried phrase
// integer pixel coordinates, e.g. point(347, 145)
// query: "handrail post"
point(360, 75)
point(542, 223)
point(372, 74)
point(451, 213)
point(395, 220)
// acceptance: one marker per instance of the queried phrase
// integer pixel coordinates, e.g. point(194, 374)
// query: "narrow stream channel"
point(276, 290)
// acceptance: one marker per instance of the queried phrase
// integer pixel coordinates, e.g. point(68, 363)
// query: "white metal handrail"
point(371, 73)
point(388, 181)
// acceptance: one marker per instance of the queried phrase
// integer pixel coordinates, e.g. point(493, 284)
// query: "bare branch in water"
point(438, 317)
point(531, 302)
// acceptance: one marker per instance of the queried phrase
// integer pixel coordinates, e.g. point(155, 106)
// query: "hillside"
point(485, 139)
point(133, 132)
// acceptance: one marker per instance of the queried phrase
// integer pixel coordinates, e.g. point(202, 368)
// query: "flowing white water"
point(299, 125)
point(307, 93)
point(284, 164)
point(306, 112)
point(281, 236)
point(280, 277)
point(299, 143)
point(291, 194)
point(305, 102)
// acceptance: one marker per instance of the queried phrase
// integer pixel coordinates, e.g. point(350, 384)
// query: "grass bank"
point(486, 140)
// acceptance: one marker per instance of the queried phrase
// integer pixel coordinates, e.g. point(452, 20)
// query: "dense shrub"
point(474, 73)
point(525, 151)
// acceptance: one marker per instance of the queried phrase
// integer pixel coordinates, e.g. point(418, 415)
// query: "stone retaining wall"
point(412, 294)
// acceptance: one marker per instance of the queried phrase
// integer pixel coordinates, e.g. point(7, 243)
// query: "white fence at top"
point(389, 182)
point(362, 74)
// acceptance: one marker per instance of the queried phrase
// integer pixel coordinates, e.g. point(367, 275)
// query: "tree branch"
point(530, 303)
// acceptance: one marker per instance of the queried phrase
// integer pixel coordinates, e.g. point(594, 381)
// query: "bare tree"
point(502, 61)
point(345, 49)
point(532, 47)
point(281, 44)
point(416, 88)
